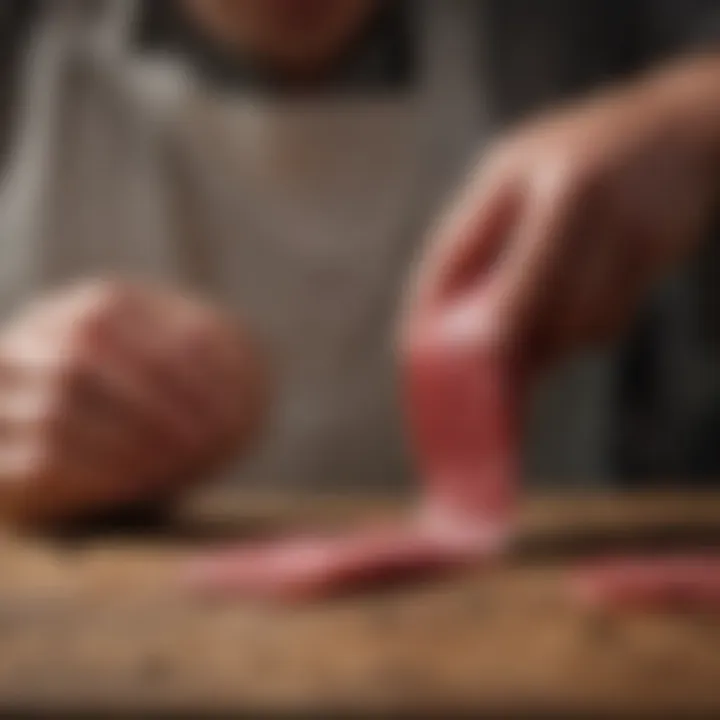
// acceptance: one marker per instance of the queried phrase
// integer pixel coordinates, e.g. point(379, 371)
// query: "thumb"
point(462, 249)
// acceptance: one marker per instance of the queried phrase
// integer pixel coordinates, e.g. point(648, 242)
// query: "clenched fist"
point(114, 393)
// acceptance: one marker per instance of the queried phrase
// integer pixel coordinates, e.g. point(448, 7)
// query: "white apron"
point(303, 216)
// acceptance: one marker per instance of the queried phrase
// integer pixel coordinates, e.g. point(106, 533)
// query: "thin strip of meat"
point(677, 583)
point(462, 419)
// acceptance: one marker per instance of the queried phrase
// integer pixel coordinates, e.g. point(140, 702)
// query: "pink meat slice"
point(315, 567)
point(462, 403)
point(463, 431)
point(684, 583)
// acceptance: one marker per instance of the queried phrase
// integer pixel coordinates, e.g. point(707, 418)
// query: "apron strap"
point(451, 68)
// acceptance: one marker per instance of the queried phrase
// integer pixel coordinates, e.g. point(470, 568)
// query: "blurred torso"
point(303, 216)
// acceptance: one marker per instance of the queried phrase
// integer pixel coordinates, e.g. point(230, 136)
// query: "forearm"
point(687, 92)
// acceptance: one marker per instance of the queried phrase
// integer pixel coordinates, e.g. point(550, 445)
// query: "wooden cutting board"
point(102, 623)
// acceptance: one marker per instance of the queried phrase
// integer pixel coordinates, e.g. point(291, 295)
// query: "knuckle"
point(84, 330)
point(101, 292)
point(587, 179)
point(568, 191)
point(98, 303)
point(502, 155)
point(34, 461)
point(68, 376)
point(85, 327)
point(578, 178)
point(49, 412)
point(200, 336)
point(52, 418)
point(68, 361)
point(556, 175)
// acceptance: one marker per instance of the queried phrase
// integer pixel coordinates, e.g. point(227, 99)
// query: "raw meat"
point(462, 419)
point(685, 583)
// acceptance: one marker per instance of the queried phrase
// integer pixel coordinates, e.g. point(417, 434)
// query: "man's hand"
point(114, 393)
point(571, 219)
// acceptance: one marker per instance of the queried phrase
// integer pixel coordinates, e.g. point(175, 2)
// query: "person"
point(281, 160)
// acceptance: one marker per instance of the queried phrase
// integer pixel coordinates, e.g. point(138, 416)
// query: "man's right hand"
point(112, 394)
point(570, 221)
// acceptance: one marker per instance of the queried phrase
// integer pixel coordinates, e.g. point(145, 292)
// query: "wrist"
point(687, 95)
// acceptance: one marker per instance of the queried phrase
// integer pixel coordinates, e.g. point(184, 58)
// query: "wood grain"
point(103, 622)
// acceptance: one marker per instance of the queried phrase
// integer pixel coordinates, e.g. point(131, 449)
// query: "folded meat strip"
point(462, 405)
point(462, 420)
point(679, 583)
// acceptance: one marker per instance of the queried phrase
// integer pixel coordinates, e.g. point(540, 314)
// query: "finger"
point(95, 467)
point(152, 340)
point(45, 481)
point(583, 293)
point(528, 276)
point(231, 373)
point(216, 357)
point(194, 354)
point(112, 440)
point(614, 288)
point(48, 385)
point(189, 352)
point(634, 281)
point(201, 359)
point(466, 243)
point(69, 404)
point(114, 374)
